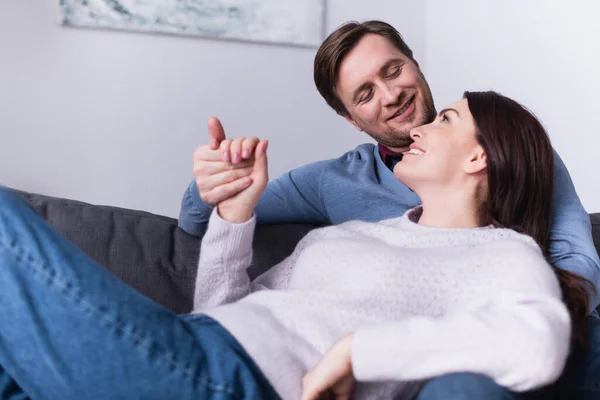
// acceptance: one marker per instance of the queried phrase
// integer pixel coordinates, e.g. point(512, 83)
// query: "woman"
point(442, 289)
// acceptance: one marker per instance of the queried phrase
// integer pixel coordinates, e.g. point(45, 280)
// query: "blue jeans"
point(71, 330)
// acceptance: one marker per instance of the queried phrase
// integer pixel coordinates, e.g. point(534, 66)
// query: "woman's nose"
point(416, 133)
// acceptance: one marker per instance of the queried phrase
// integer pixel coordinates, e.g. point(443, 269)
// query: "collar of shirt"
point(390, 158)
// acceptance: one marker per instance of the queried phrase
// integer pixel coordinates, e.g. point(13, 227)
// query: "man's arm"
point(294, 197)
point(571, 244)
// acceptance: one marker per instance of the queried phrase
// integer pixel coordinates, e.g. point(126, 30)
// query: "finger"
point(236, 150)
point(261, 166)
point(248, 146)
point(311, 387)
point(205, 153)
point(216, 132)
point(214, 167)
point(225, 150)
point(222, 178)
point(223, 192)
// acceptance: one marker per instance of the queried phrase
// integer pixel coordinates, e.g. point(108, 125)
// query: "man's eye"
point(366, 97)
point(394, 72)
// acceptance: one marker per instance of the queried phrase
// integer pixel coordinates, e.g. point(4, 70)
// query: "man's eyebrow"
point(448, 109)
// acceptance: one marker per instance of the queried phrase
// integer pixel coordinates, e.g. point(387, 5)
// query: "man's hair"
point(335, 48)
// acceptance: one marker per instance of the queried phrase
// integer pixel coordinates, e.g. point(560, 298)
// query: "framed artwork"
point(295, 22)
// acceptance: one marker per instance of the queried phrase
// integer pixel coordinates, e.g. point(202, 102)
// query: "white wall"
point(542, 53)
point(113, 117)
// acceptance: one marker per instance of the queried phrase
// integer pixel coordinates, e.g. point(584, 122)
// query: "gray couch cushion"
point(149, 252)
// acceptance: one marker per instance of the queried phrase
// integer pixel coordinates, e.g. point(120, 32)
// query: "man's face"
point(384, 91)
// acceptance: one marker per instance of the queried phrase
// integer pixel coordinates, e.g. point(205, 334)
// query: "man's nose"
point(391, 94)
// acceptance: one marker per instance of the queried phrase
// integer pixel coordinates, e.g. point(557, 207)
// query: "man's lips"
point(404, 111)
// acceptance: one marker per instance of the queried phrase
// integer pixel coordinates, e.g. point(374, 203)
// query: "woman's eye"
point(445, 118)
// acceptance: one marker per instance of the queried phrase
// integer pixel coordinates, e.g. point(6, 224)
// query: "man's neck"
point(395, 150)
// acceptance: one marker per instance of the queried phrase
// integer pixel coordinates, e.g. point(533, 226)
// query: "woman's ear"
point(477, 162)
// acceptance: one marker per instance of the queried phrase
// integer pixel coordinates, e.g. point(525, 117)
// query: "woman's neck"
point(459, 210)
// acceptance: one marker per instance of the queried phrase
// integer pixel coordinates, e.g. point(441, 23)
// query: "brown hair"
point(335, 48)
point(520, 169)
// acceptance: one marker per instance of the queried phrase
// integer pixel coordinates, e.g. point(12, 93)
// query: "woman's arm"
point(225, 255)
point(226, 250)
point(519, 335)
point(521, 341)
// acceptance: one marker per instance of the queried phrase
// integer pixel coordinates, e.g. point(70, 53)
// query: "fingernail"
point(235, 158)
point(226, 156)
point(245, 153)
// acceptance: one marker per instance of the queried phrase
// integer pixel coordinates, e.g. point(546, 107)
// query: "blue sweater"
point(359, 186)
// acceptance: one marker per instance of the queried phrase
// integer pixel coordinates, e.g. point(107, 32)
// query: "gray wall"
point(113, 117)
point(543, 53)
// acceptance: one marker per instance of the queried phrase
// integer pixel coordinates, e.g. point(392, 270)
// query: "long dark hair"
point(520, 169)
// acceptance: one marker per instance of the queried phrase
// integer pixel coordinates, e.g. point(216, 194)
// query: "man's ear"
point(352, 121)
point(477, 162)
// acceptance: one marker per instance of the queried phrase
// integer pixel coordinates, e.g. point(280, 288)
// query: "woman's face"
point(444, 152)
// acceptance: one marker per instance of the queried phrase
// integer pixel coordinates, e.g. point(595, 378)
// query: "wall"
point(113, 117)
point(542, 53)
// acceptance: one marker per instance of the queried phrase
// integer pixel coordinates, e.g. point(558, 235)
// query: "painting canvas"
point(297, 22)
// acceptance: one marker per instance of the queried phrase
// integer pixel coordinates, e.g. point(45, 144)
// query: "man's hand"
point(222, 166)
point(332, 377)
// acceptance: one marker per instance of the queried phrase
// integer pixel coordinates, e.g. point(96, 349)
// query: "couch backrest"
point(150, 253)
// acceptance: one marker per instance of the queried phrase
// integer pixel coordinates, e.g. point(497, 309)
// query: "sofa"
point(151, 254)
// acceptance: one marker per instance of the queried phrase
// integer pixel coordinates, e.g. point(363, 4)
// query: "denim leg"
point(71, 330)
point(464, 386)
point(581, 378)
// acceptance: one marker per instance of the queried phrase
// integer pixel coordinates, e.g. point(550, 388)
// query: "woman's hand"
point(240, 207)
point(332, 377)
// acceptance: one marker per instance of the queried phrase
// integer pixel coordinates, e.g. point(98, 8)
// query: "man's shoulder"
point(364, 153)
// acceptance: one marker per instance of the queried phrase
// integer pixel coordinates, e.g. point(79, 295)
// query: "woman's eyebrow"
point(448, 109)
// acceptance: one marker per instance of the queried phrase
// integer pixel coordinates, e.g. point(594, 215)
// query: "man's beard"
point(401, 138)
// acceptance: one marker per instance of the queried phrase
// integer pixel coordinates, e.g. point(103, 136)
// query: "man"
point(368, 75)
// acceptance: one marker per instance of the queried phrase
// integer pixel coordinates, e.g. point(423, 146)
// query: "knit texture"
point(422, 302)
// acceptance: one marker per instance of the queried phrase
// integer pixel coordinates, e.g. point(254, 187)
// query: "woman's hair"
point(520, 170)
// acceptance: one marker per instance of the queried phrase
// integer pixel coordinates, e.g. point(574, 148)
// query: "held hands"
point(332, 377)
point(231, 174)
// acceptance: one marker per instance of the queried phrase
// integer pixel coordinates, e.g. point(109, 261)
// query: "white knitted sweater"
point(422, 302)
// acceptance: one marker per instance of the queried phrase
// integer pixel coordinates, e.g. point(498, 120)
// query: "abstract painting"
point(297, 22)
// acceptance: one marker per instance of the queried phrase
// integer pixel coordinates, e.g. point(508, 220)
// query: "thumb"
point(260, 158)
point(216, 132)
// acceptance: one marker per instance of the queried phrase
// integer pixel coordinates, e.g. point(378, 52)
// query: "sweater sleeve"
point(517, 336)
point(225, 254)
